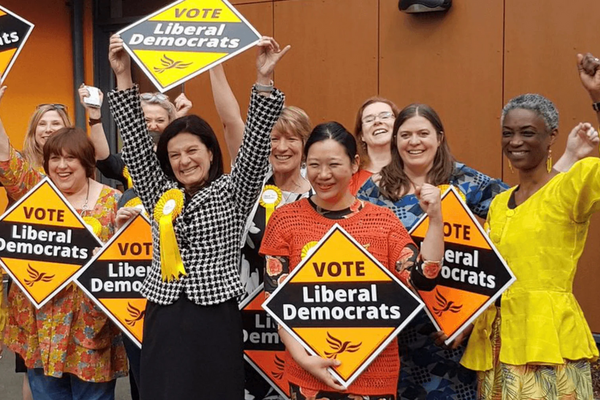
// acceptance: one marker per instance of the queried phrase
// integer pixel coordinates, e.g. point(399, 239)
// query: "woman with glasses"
point(419, 153)
point(373, 132)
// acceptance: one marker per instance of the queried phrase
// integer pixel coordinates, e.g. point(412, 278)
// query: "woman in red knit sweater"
point(331, 160)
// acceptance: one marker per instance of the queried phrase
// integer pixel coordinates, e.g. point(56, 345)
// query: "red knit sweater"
point(294, 225)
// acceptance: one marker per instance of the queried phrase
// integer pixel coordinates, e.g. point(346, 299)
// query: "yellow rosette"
point(445, 187)
point(167, 208)
point(93, 225)
point(127, 176)
point(270, 198)
point(306, 250)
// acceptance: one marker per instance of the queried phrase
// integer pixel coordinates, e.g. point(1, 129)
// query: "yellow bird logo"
point(36, 276)
point(168, 63)
point(340, 347)
point(135, 314)
point(445, 305)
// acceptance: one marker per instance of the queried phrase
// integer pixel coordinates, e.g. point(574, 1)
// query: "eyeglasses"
point(53, 106)
point(154, 97)
point(382, 116)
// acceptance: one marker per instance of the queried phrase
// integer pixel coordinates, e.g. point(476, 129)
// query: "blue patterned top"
point(429, 372)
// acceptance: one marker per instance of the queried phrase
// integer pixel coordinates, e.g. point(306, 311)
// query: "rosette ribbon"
point(168, 207)
point(127, 176)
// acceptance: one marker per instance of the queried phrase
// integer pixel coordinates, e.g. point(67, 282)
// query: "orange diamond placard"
point(187, 38)
point(14, 32)
point(263, 349)
point(341, 303)
point(474, 274)
point(44, 242)
point(113, 278)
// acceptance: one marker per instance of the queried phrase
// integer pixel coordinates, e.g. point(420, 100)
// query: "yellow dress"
point(541, 240)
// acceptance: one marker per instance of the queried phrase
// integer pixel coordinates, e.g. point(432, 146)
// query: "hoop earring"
point(549, 161)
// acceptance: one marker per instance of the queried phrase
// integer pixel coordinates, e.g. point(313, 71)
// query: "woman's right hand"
point(267, 57)
point(120, 62)
point(124, 214)
point(317, 367)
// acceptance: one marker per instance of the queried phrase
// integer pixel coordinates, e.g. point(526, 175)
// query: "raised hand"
point(183, 105)
point(582, 141)
point(430, 200)
point(94, 112)
point(120, 62)
point(589, 73)
point(267, 57)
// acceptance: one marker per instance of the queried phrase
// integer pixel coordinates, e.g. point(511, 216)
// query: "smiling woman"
point(88, 355)
point(537, 344)
point(332, 160)
point(204, 211)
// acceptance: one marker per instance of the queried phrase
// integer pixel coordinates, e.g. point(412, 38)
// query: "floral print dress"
point(69, 334)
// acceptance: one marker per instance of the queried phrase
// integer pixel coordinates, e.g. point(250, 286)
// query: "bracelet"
point(94, 121)
point(264, 88)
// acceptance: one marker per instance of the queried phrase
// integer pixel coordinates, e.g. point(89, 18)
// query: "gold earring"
point(512, 171)
point(549, 161)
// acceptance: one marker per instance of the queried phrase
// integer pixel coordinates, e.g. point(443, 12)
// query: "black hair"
point(196, 126)
point(335, 131)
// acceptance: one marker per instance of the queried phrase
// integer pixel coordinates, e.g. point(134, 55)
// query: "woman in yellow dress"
point(536, 344)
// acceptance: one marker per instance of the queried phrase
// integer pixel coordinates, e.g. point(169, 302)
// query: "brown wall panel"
point(453, 62)
point(542, 40)
point(332, 66)
point(43, 72)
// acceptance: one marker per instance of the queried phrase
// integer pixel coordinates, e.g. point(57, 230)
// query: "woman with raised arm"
point(331, 158)
point(536, 344)
point(420, 154)
point(192, 330)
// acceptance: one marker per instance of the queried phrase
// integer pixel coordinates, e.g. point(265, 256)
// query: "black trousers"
point(192, 352)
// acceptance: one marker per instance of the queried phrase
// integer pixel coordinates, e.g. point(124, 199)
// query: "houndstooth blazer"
point(209, 228)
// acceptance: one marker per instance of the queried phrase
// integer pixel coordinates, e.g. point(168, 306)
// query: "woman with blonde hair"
point(46, 120)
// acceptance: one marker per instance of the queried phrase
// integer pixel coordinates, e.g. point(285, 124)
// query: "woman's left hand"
point(267, 57)
point(430, 200)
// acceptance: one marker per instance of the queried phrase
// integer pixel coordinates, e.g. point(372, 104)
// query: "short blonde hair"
point(32, 151)
point(295, 121)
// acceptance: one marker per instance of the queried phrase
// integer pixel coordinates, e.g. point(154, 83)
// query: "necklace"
point(291, 192)
point(87, 196)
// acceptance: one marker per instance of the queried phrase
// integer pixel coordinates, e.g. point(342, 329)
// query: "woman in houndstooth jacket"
point(193, 330)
